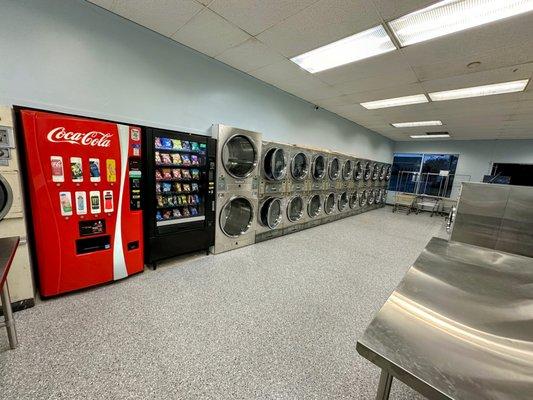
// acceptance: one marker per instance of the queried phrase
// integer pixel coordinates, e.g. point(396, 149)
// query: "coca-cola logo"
point(92, 138)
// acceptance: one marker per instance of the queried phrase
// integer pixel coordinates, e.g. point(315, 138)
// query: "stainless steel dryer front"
point(319, 170)
point(238, 153)
point(314, 207)
point(296, 212)
point(299, 176)
point(274, 167)
point(270, 217)
point(333, 170)
point(236, 220)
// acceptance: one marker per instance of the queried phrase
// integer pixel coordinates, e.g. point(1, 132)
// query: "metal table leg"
point(8, 317)
point(385, 383)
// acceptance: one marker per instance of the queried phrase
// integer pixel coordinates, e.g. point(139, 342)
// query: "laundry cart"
point(404, 202)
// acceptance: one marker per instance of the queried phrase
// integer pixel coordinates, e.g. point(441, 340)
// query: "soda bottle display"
point(56, 163)
point(76, 169)
point(81, 203)
point(111, 170)
point(94, 169)
point(95, 202)
point(66, 203)
point(108, 201)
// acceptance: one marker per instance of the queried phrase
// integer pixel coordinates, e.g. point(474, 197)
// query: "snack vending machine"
point(84, 185)
point(180, 194)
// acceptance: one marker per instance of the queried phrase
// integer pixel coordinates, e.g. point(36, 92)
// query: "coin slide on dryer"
point(237, 187)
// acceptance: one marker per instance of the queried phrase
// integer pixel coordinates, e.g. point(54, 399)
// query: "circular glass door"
point(275, 164)
point(347, 170)
point(358, 171)
point(236, 217)
point(6, 197)
point(334, 168)
point(362, 199)
point(239, 156)
point(383, 172)
point(384, 196)
point(371, 197)
point(353, 200)
point(270, 212)
point(343, 201)
point(295, 209)
point(299, 166)
point(377, 197)
point(389, 172)
point(319, 167)
point(368, 171)
point(329, 203)
point(314, 207)
point(375, 172)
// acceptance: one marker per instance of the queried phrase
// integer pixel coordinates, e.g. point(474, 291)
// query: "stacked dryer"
point(319, 187)
point(298, 187)
point(273, 185)
point(238, 157)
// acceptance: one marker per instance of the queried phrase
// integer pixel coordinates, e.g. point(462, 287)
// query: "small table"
point(8, 248)
point(458, 326)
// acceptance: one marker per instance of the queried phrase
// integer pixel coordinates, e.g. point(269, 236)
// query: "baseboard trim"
point(21, 305)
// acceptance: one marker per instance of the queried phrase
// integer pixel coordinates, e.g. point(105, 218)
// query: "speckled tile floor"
point(277, 320)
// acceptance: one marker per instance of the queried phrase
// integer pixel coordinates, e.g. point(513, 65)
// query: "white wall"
point(69, 55)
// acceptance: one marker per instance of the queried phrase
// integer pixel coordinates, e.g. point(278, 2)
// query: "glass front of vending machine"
point(180, 173)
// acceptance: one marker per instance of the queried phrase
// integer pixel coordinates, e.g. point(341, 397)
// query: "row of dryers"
point(267, 189)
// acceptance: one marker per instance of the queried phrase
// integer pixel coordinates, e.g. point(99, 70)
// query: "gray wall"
point(475, 156)
point(72, 56)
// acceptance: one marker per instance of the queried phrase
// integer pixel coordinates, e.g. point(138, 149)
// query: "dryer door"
point(275, 164)
point(239, 156)
point(353, 200)
point(295, 209)
point(347, 170)
point(299, 166)
point(6, 197)
point(236, 216)
point(358, 171)
point(362, 199)
point(329, 203)
point(367, 171)
point(319, 167)
point(334, 168)
point(270, 213)
point(343, 201)
point(314, 207)
point(371, 197)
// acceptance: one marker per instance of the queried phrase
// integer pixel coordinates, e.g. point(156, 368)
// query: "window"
point(431, 174)
point(514, 174)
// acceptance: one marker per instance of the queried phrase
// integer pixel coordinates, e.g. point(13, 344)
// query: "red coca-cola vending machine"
point(84, 184)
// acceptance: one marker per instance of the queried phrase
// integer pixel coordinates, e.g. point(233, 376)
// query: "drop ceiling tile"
point(496, 59)
point(285, 72)
point(254, 16)
point(210, 34)
point(250, 55)
point(387, 93)
point(166, 17)
point(390, 10)
point(321, 23)
point(374, 83)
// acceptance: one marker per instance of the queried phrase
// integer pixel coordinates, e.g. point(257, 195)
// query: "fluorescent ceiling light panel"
point(451, 16)
point(416, 123)
point(477, 91)
point(395, 102)
point(429, 136)
point(362, 45)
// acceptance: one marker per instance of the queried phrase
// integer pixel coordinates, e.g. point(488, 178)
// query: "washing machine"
point(12, 216)
point(319, 171)
point(334, 171)
point(299, 176)
point(274, 167)
point(237, 203)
